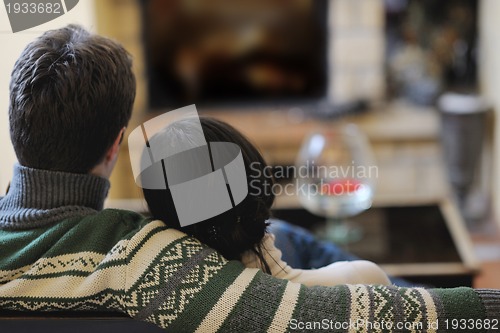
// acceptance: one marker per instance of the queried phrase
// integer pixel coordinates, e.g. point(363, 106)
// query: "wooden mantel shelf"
point(279, 132)
point(405, 140)
point(278, 128)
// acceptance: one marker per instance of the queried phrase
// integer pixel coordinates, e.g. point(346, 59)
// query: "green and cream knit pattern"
point(60, 252)
point(160, 275)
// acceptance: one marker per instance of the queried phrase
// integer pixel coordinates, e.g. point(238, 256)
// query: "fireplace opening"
point(224, 52)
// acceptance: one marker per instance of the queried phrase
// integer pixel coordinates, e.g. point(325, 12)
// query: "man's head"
point(71, 95)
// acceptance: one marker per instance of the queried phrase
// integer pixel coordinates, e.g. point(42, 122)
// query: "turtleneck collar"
point(37, 197)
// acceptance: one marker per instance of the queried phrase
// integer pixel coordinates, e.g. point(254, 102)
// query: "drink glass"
point(336, 178)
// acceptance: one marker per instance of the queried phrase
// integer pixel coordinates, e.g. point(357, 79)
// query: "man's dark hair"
point(71, 92)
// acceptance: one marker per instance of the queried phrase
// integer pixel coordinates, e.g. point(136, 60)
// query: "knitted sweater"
point(115, 260)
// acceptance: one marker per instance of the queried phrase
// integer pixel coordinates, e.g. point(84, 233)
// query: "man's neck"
point(40, 197)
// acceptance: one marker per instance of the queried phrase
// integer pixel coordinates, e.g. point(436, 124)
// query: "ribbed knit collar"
point(37, 197)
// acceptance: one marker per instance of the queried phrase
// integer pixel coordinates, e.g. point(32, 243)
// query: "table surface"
point(405, 240)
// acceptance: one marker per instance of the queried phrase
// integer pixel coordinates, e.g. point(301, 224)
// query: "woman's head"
point(239, 229)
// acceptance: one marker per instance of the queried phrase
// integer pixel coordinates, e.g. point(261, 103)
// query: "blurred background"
point(419, 77)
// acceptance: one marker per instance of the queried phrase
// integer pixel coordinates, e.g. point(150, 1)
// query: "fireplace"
point(225, 52)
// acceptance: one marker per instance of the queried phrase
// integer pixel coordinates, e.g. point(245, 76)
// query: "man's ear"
point(113, 150)
point(105, 167)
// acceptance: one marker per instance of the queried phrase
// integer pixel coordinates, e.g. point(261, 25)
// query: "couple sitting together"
point(71, 96)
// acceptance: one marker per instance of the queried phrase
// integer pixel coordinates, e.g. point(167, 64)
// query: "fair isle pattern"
point(97, 288)
point(157, 255)
point(117, 253)
point(414, 313)
point(107, 280)
point(11, 274)
point(147, 245)
point(82, 264)
point(163, 276)
point(360, 306)
point(42, 288)
point(106, 301)
point(169, 292)
point(381, 305)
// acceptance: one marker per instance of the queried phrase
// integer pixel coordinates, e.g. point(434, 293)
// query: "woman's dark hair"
point(239, 229)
